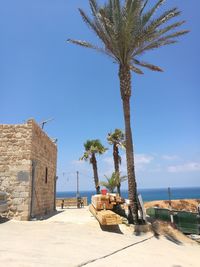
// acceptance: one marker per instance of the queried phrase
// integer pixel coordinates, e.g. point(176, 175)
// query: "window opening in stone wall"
point(46, 175)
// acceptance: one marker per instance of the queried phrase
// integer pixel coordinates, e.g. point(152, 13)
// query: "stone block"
point(16, 194)
point(24, 217)
point(13, 208)
point(21, 188)
point(17, 201)
point(23, 208)
point(23, 176)
point(23, 195)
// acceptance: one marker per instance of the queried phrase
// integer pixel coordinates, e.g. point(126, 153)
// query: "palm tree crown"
point(127, 30)
point(117, 137)
point(92, 147)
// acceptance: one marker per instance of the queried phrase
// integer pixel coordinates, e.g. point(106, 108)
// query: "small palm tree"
point(127, 30)
point(113, 181)
point(117, 140)
point(110, 183)
point(93, 147)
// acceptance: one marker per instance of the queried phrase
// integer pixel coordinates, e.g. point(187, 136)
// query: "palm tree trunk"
point(116, 165)
point(125, 88)
point(95, 171)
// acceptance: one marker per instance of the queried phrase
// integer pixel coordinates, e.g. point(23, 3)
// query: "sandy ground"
point(74, 237)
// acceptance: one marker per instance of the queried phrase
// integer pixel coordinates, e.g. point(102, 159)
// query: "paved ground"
point(74, 237)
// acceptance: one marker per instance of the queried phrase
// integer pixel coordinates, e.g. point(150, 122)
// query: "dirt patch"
point(181, 204)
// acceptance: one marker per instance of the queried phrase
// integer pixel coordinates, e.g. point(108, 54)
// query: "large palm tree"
point(93, 147)
point(117, 139)
point(127, 30)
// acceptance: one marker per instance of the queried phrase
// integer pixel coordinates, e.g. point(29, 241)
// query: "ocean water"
point(147, 194)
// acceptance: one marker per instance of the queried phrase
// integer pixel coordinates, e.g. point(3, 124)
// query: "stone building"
point(27, 170)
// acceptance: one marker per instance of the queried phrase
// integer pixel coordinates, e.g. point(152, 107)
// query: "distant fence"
point(70, 202)
point(187, 222)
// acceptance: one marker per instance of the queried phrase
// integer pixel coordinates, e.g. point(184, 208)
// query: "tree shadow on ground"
point(111, 228)
point(141, 229)
point(46, 216)
point(166, 230)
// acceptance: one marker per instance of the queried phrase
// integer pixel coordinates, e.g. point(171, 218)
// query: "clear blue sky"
point(41, 76)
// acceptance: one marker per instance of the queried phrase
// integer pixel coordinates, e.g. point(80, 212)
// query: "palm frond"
point(173, 35)
point(108, 27)
point(123, 178)
point(147, 65)
point(99, 29)
point(88, 21)
point(136, 70)
point(85, 156)
point(165, 17)
point(86, 44)
point(120, 159)
point(94, 6)
point(165, 40)
point(147, 16)
point(113, 181)
point(152, 46)
point(131, 26)
point(143, 6)
point(168, 28)
point(104, 28)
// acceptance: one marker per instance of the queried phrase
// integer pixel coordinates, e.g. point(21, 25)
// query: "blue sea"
point(147, 194)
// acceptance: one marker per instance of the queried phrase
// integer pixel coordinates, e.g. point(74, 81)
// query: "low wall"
point(70, 201)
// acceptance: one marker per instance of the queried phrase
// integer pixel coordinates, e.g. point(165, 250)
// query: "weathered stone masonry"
point(27, 170)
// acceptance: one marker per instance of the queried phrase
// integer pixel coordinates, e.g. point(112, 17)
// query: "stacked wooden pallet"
point(101, 202)
point(102, 206)
point(106, 202)
point(105, 217)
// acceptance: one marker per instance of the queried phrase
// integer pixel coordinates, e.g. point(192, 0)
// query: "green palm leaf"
point(147, 65)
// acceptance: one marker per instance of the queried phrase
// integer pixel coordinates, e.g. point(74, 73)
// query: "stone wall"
point(15, 166)
point(20, 147)
point(44, 154)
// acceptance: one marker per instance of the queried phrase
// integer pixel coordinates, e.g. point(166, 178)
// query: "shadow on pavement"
point(111, 229)
point(164, 229)
point(3, 220)
point(47, 216)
